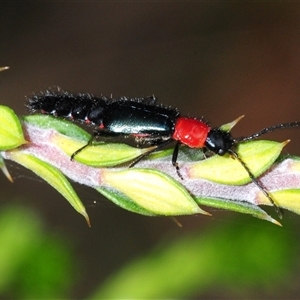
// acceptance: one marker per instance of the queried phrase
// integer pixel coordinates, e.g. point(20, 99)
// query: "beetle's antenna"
point(267, 130)
point(256, 182)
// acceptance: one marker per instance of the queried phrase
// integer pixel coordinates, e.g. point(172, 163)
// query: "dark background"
point(217, 60)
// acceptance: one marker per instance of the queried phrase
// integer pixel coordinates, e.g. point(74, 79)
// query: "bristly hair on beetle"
point(148, 123)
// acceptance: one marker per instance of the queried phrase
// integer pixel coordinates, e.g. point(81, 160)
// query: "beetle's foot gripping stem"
point(178, 170)
point(79, 150)
point(142, 156)
point(89, 143)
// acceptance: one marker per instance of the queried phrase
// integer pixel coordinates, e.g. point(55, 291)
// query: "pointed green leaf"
point(4, 169)
point(123, 201)
point(257, 155)
point(288, 199)
point(100, 155)
point(152, 190)
point(237, 206)
point(227, 127)
point(11, 133)
point(53, 176)
point(62, 126)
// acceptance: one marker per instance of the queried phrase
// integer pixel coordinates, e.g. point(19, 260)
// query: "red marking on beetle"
point(191, 132)
point(140, 135)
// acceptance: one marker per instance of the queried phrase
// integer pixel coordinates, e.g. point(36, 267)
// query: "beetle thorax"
point(191, 132)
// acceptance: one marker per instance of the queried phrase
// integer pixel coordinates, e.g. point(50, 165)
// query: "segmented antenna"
point(256, 182)
point(267, 130)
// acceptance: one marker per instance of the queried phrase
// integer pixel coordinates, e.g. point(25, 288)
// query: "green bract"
point(62, 126)
point(100, 155)
point(11, 134)
point(123, 201)
point(53, 176)
point(237, 206)
point(287, 198)
point(4, 169)
point(257, 155)
point(153, 191)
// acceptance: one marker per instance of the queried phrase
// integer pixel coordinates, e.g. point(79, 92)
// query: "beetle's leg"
point(80, 149)
point(174, 159)
point(151, 150)
point(103, 133)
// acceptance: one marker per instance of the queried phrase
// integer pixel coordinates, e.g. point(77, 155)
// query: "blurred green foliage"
point(234, 259)
point(34, 264)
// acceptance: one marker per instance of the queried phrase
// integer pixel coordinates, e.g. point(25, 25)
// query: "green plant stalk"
point(153, 187)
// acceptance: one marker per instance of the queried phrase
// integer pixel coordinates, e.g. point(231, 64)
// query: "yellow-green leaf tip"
point(227, 127)
point(53, 176)
point(11, 133)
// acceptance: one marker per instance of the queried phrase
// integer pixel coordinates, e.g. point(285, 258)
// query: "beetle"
point(148, 123)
